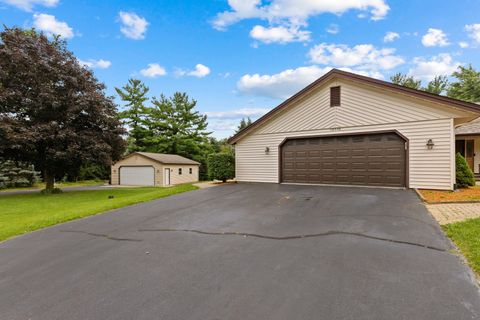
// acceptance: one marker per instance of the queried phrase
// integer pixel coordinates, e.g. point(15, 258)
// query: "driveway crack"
point(101, 235)
point(291, 237)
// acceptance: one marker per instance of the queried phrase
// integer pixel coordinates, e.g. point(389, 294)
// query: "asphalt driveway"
point(245, 251)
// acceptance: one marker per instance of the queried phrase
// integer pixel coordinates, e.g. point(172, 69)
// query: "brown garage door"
point(367, 159)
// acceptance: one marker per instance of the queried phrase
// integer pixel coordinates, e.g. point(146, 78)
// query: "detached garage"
point(154, 169)
point(347, 129)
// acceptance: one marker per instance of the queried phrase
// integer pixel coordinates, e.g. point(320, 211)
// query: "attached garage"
point(137, 176)
point(154, 169)
point(362, 159)
point(347, 129)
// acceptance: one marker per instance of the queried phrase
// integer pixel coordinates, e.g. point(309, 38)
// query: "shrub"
point(221, 166)
point(13, 175)
point(464, 174)
point(51, 191)
point(94, 171)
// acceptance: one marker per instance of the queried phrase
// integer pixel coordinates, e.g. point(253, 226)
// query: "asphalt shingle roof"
point(167, 158)
point(471, 127)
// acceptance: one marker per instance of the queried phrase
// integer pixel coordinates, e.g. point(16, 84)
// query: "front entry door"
point(167, 177)
point(469, 153)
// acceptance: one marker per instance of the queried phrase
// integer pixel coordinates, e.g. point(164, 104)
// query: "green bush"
point(14, 175)
point(51, 191)
point(465, 176)
point(94, 171)
point(221, 166)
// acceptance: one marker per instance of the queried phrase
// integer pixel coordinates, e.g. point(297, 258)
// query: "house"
point(467, 143)
point(154, 169)
point(347, 129)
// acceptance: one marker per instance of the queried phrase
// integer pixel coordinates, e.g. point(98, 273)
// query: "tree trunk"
point(49, 180)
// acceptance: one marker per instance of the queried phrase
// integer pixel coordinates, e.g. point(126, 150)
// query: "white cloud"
point(153, 70)
point(463, 44)
point(427, 69)
point(133, 26)
point(435, 38)
point(223, 125)
point(390, 36)
point(279, 34)
point(333, 28)
point(200, 71)
point(94, 64)
point(229, 120)
point(285, 83)
point(281, 85)
point(237, 113)
point(363, 57)
point(295, 12)
point(51, 26)
point(27, 5)
point(473, 31)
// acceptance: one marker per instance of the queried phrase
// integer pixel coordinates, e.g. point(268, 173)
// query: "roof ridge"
point(470, 106)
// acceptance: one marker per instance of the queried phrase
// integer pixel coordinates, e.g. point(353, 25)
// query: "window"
point(180, 171)
point(335, 96)
point(190, 170)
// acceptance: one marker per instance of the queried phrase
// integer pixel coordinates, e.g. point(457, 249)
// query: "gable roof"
point(165, 158)
point(335, 73)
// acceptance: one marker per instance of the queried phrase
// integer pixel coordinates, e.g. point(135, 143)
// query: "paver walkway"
point(446, 213)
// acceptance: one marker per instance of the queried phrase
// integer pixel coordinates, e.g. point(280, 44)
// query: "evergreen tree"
point(467, 86)
point(134, 93)
point(14, 174)
point(243, 124)
point(464, 175)
point(53, 111)
point(175, 127)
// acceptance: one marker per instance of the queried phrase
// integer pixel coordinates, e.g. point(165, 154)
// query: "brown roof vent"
point(335, 96)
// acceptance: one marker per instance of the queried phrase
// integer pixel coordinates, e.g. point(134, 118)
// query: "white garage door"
point(137, 176)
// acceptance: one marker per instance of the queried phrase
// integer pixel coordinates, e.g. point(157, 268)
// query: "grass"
point(466, 235)
point(24, 213)
point(466, 194)
point(37, 186)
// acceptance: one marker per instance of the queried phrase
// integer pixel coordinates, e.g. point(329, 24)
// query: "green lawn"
point(27, 212)
point(466, 236)
point(37, 186)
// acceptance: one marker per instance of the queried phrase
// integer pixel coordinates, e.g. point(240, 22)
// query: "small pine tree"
point(464, 174)
point(243, 124)
point(17, 175)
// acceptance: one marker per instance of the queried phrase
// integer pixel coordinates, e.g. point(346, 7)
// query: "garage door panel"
point(137, 176)
point(369, 159)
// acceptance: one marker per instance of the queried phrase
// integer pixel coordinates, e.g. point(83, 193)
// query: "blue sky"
point(243, 57)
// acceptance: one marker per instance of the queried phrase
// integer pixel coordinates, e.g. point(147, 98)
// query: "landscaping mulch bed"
point(471, 194)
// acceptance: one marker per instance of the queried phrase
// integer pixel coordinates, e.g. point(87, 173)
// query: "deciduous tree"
point(406, 81)
point(467, 86)
point(53, 111)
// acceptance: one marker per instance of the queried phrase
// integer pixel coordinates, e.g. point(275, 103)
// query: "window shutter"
point(335, 96)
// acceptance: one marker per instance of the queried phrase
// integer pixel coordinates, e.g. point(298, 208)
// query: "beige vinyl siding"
point(363, 109)
point(185, 177)
point(360, 106)
point(427, 168)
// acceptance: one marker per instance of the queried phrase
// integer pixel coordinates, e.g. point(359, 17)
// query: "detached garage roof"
point(165, 158)
point(339, 74)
